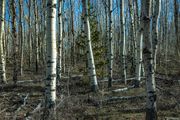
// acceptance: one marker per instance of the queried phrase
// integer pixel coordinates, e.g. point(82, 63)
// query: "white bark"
point(155, 29)
point(139, 55)
point(110, 50)
point(139, 39)
point(59, 59)
point(2, 60)
point(50, 82)
point(123, 89)
point(91, 65)
point(123, 38)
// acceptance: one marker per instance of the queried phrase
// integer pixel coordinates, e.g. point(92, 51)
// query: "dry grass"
point(76, 101)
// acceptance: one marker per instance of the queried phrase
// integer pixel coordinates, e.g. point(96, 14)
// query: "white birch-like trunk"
point(2, 59)
point(59, 56)
point(91, 65)
point(123, 38)
point(151, 110)
point(110, 50)
point(139, 40)
point(139, 60)
point(155, 16)
point(50, 82)
point(139, 55)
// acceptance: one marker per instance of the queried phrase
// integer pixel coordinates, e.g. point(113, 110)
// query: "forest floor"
point(75, 101)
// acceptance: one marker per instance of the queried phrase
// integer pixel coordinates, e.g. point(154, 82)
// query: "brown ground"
point(76, 102)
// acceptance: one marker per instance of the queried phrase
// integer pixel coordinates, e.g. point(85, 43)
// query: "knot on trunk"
point(146, 18)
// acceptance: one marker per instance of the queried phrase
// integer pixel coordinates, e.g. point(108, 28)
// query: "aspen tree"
point(36, 36)
point(139, 56)
point(155, 16)
point(2, 59)
point(91, 65)
point(72, 34)
point(20, 36)
point(132, 37)
point(59, 56)
point(151, 110)
point(110, 50)
point(41, 34)
point(139, 39)
point(15, 42)
point(166, 42)
point(136, 17)
point(123, 38)
point(7, 40)
point(106, 31)
point(50, 82)
point(44, 32)
point(29, 34)
point(63, 48)
point(176, 18)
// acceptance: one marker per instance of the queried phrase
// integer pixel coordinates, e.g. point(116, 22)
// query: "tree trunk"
point(2, 59)
point(50, 82)
point(91, 65)
point(29, 34)
point(73, 58)
point(110, 50)
point(139, 39)
point(123, 38)
point(139, 55)
point(44, 33)
point(155, 30)
point(176, 18)
point(15, 42)
point(20, 36)
point(151, 110)
point(36, 37)
point(59, 59)
point(132, 38)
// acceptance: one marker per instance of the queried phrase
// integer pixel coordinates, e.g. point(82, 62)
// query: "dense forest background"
point(89, 59)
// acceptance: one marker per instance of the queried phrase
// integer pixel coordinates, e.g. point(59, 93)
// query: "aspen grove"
point(89, 59)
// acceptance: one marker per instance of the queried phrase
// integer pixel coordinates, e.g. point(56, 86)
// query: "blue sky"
point(78, 9)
